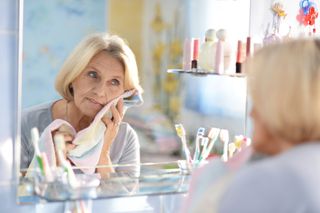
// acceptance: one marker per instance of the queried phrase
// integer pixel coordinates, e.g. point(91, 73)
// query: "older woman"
point(284, 83)
point(101, 68)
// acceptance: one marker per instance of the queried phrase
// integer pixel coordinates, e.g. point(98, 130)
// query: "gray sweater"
point(125, 148)
point(286, 183)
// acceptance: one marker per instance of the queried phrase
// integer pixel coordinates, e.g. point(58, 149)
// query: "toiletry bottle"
point(195, 56)
point(218, 67)
point(239, 59)
point(187, 54)
point(248, 47)
point(222, 36)
point(208, 51)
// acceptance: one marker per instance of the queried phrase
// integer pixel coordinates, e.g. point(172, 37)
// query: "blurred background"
point(156, 31)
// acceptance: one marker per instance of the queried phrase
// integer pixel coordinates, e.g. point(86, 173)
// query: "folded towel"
point(89, 141)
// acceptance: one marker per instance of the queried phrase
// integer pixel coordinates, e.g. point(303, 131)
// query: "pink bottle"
point(219, 62)
point(187, 54)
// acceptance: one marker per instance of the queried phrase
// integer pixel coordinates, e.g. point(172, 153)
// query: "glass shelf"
point(153, 179)
point(203, 72)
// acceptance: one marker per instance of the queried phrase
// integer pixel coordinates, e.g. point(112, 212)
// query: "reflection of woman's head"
point(86, 50)
point(284, 83)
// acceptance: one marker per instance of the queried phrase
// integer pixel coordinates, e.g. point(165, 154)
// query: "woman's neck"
point(76, 118)
point(282, 146)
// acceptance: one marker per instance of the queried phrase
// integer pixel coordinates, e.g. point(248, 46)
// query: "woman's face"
point(101, 81)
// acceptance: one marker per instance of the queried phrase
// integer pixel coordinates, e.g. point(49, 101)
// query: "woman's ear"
point(70, 89)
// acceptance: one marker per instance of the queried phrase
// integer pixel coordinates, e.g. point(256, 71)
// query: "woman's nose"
point(100, 90)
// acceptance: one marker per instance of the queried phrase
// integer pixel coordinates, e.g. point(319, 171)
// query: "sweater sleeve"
point(131, 152)
point(38, 116)
point(266, 187)
point(27, 151)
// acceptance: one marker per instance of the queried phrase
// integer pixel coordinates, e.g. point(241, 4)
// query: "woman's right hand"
point(68, 138)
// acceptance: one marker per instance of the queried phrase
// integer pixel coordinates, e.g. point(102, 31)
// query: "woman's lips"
point(95, 102)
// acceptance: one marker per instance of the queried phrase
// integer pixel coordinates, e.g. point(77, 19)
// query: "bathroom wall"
point(47, 41)
point(263, 17)
point(9, 34)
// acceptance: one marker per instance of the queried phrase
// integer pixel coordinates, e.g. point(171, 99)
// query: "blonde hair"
point(86, 50)
point(284, 83)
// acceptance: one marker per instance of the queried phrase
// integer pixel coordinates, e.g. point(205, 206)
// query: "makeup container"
point(238, 62)
point(248, 47)
point(195, 55)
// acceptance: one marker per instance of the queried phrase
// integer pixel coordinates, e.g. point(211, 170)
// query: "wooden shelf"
point(203, 72)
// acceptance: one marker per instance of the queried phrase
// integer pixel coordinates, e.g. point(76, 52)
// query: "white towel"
point(89, 141)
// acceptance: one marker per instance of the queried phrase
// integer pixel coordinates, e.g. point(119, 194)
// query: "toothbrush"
point(212, 135)
point(182, 134)
point(46, 167)
point(239, 140)
point(35, 142)
point(60, 147)
point(224, 137)
point(247, 141)
point(200, 134)
point(231, 148)
point(205, 142)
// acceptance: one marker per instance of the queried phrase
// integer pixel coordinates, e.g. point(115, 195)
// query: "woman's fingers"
point(70, 146)
point(66, 135)
point(120, 107)
point(107, 120)
point(68, 138)
point(118, 112)
point(115, 116)
point(112, 124)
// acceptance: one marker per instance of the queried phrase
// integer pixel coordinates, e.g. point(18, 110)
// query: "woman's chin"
point(93, 109)
point(91, 113)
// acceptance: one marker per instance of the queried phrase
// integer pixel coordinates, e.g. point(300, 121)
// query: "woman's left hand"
point(112, 128)
point(112, 124)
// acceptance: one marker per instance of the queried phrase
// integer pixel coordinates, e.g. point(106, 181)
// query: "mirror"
point(155, 30)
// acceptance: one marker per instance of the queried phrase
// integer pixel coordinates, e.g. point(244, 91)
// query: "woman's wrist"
point(105, 150)
point(105, 166)
point(104, 158)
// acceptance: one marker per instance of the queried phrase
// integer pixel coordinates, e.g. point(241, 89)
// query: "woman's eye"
point(115, 82)
point(92, 74)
